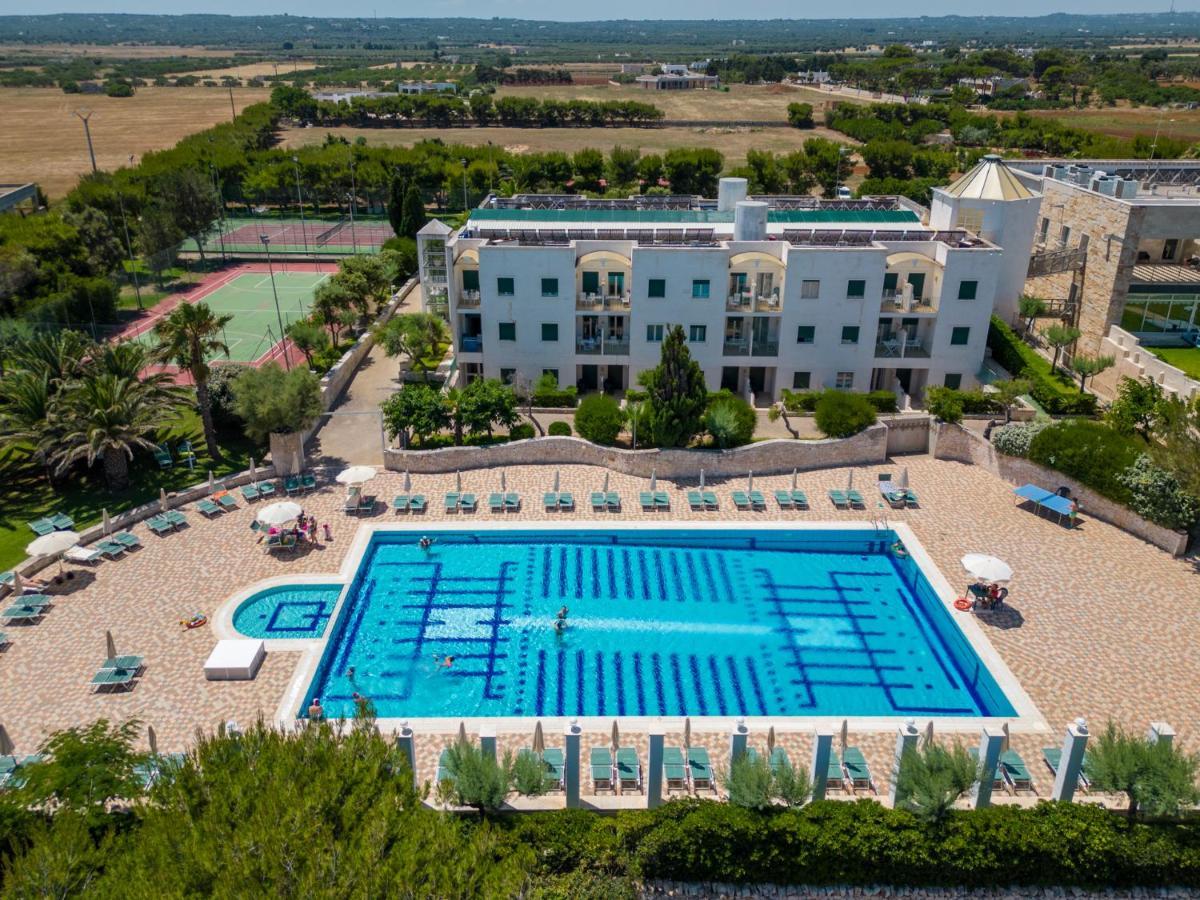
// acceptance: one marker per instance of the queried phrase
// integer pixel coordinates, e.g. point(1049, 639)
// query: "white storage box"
point(235, 660)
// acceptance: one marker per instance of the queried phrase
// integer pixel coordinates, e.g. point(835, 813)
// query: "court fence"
point(238, 237)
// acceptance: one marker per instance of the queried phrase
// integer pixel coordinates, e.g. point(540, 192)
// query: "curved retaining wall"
point(765, 457)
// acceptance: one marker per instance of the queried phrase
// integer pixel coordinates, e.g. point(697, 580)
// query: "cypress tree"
point(414, 217)
point(395, 204)
point(678, 395)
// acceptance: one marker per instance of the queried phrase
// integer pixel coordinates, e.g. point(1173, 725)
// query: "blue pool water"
point(293, 611)
point(671, 622)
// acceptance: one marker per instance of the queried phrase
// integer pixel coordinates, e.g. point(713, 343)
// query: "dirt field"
point(760, 103)
point(118, 51)
point(249, 70)
point(42, 141)
point(732, 142)
point(1126, 122)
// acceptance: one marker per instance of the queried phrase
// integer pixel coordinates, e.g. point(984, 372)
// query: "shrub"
point(522, 431)
point(1157, 495)
point(220, 396)
point(270, 400)
point(479, 780)
point(1091, 452)
point(1157, 778)
point(749, 782)
point(730, 420)
point(883, 401)
point(944, 403)
point(1057, 397)
point(932, 778)
point(840, 414)
point(1014, 439)
point(547, 393)
point(800, 401)
point(559, 428)
point(599, 419)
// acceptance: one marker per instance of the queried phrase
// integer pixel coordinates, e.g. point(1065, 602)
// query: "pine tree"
point(395, 204)
point(413, 219)
point(678, 395)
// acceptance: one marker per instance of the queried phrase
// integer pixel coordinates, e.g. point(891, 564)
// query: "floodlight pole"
point(464, 167)
point(232, 108)
point(353, 200)
point(137, 288)
point(266, 242)
point(300, 201)
point(84, 115)
point(220, 206)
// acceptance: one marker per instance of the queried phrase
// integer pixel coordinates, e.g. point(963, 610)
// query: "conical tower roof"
point(990, 179)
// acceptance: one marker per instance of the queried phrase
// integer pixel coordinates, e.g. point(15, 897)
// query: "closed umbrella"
point(407, 482)
point(606, 481)
point(616, 736)
point(458, 480)
point(152, 739)
point(987, 568)
point(462, 732)
point(687, 732)
point(701, 479)
point(539, 740)
point(793, 479)
point(355, 475)
point(845, 734)
point(110, 646)
point(770, 740)
point(297, 463)
point(162, 500)
point(6, 744)
point(53, 544)
point(18, 587)
point(850, 483)
point(105, 521)
point(279, 513)
point(1005, 739)
point(749, 481)
point(253, 472)
point(929, 733)
point(212, 482)
point(503, 482)
point(904, 478)
point(556, 481)
point(653, 480)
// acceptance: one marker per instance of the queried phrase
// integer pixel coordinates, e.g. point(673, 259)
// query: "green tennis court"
point(254, 329)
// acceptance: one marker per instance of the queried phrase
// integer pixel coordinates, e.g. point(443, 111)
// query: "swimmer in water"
point(560, 625)
point(562, 613)
point(425, 543)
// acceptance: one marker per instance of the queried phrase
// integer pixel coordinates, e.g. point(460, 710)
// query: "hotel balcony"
point(468, 298)
point(895, 348)
point(601, 302)
point(746, 347)
point(902, 303)
point(470, 343)
point(750, 301)
point(610, 346)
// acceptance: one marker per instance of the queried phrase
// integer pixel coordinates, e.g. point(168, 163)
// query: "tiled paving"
point(1099, 623)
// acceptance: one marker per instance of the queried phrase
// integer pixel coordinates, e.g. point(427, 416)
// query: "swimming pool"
point(671, 622)
point(287, 611)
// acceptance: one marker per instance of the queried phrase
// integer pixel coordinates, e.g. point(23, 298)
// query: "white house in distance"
point(772, 292)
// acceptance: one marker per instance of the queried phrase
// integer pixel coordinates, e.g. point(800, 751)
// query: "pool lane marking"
point(736, 683)
point(659, 691)
point(719, 691)
point(697, 683)
point(639, 684)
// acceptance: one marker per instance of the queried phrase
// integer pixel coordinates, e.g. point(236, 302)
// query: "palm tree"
point(108, 416)
point(25, 398)
point(59, 355)
point(188, 337)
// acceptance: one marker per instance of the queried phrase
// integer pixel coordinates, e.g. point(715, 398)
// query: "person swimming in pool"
point(562, 613)
point(425, 543)
point(444, 662)
point(560, 626)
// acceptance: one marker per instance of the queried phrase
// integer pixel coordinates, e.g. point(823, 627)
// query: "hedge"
point(862, 842)
point(1022, 361)
point(806, 401)
point(560, 398)
point(1090, 452)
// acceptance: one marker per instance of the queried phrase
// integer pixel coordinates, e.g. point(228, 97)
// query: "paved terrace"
point(1099, 623)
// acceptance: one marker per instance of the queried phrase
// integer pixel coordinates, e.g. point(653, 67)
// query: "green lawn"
point(1185, 358)
point(25, 493)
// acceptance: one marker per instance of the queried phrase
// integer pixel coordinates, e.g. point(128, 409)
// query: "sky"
point(611, 9)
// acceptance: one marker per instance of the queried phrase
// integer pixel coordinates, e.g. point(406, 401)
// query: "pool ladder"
point(880, 522)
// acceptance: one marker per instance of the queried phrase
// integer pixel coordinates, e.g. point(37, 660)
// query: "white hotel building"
point(771, 292)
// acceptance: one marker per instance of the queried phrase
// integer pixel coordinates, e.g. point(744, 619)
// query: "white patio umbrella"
point(556, 481)
point(55, 543)
point(616, 737)
point(105, 521)
point(987, 568)
point(701, 479)
point(279, 513)
point(355, 475)
point(653, 480)
point(110, 646)
point(458, 480)
point(407, 482)
point(162, 500)
point(539, 739)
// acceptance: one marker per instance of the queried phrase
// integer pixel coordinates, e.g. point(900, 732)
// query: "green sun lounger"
point(662, 500)
point(784, 499)
point(443, 771)
point(416, 503)
point(110, 548)
point(291, 484)
point(400, 503)
point(779, 759)
point(62, 522)
point(227, 501)
point(839, 499)
point(858, 773)
point(41, 526)
point(647, 500)
point(467, 503)
point(134, 663)
point(757, 500)
point(695, 501)
point(629, 769)
point(835, 778)
point(1052, 756)
point(496, 502)
point(159, 525)
point(451, 501)
point(106, 678)
point(854, 498)
point(23, 612)
point(613, 500)
point(308, 482)
point(207, 507)
point(997, 778)
point(175, 517)
point(127, 539)
point(566, 501)
point(512, 502)
point(741, 500)
point(163, 458)
point(266, 489)
point(599, 503)
point(674, 769)
point(550, 500)
point(1015, 772)
point(800, 499)
point(249, 493)
point(910, 497)
point(710, 500)
point(699, 769)
point(556, 768)
point(600, 761)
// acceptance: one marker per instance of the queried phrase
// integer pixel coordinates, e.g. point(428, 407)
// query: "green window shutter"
point(960, 336)
point(470, 279)
point(805, 334)
point(508, 331)
point(657, 287)
point(549, 287)
point(505, 287)
point(967, 289)
point(591, 282)
point(889, 281)
point(850, 334)
point(549, 331)
point(856, 288)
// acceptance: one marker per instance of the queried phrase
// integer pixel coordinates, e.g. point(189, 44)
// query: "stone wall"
point(870, 447)
point(1136, 362)
point(956, 443)
point(907, 434)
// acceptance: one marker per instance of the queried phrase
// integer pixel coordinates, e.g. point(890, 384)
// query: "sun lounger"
point(855, 499)
point(710, 500)
point(308, 482)
point(111, 549)
point(416, 503)
point(784, 499)
point(550, 501)
point(674, 769)
point(599, 503)
point(266, 488)
point(741, 500)
point(226, 499)
point(41, 526)
point(291, 484)
point(175, 517)
point(1052, 756)
point(249, 493)
point(661, 500)
point(209, 508)
point(757, 500)
point(629, 769)
point(613, 500)
point(835, 778)
point(839, 499)
point(779, 759)
point(82, 554)
point(647, 501)
point(62, 522)
point(133, 663)
point(496, 502)
point(107, 678)
point(159, 525)
point(512, 502)
point(163, 458)
point(467, 503)
point(896, 497)
point(910, 497)
point(1015, 772)
point(551, 782)
point(3, 639)
point(800, 499)
point(699, 769)
point(451, 501)
point(366, 503)
point(23, 612)
point(856, 770)
point(556, 766)
point(400, 503)
point(443, 770)
point(566, 501)
point(997, 778)
point(601, 763)
point(127, 539)
point(695, 501)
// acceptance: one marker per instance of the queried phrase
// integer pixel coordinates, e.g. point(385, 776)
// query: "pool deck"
point(1098, 624)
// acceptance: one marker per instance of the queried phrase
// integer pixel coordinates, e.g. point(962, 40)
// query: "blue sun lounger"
point(1043, 499)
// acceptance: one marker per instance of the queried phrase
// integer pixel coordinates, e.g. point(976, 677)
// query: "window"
point(967, 290)
point(700, 288)
point(849, 334)
point(470, 279)
point(844, 381)
point(549, 287)
point(959, 336)
point(810, 289)
point(505, 287)
point(953, 381)
point(1084, 240)
point(654, 334)
point(1170, 246)
point(507, 376)
point(890, 279)
point(508, 331)
point(1045, 230)
point(856, 289)
point(697, 334)
point(591, 282)
point(552, 372)
point(970, 219)
point(549, 331)
point(801, 381)
point(805, 334)
point(657, 287)
point(1064, 235)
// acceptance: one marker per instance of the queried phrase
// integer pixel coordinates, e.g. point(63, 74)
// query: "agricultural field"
point(246, 70)
point(44, 142)
point(1128, 122)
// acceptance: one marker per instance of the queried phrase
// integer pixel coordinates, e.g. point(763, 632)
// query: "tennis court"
point(292, 236)
point(245, 293)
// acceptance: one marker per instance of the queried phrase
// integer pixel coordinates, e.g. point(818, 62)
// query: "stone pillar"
point(989, 754)
point(737, 741)
point(654, 770)
point(1071, 763)
point(487, 741)
point(407, 746)
point(572, 776)
point(1161, 732)
point(906, 739)
point(822, 746)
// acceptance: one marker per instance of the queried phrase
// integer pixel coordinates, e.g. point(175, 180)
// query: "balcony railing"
point(737, 347)
point(598, 302)
point(751, 301)
point(598, 347)
point(468, 298)
point(894, 348)
point(470, 343)
point(764, 348)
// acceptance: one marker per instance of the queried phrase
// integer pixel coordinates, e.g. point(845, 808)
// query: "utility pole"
point(232, 108)
point(84, 114)
point(300, 201)
point(137, 288)
point(221, 206)
point(464, 167)
point(266, 242)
